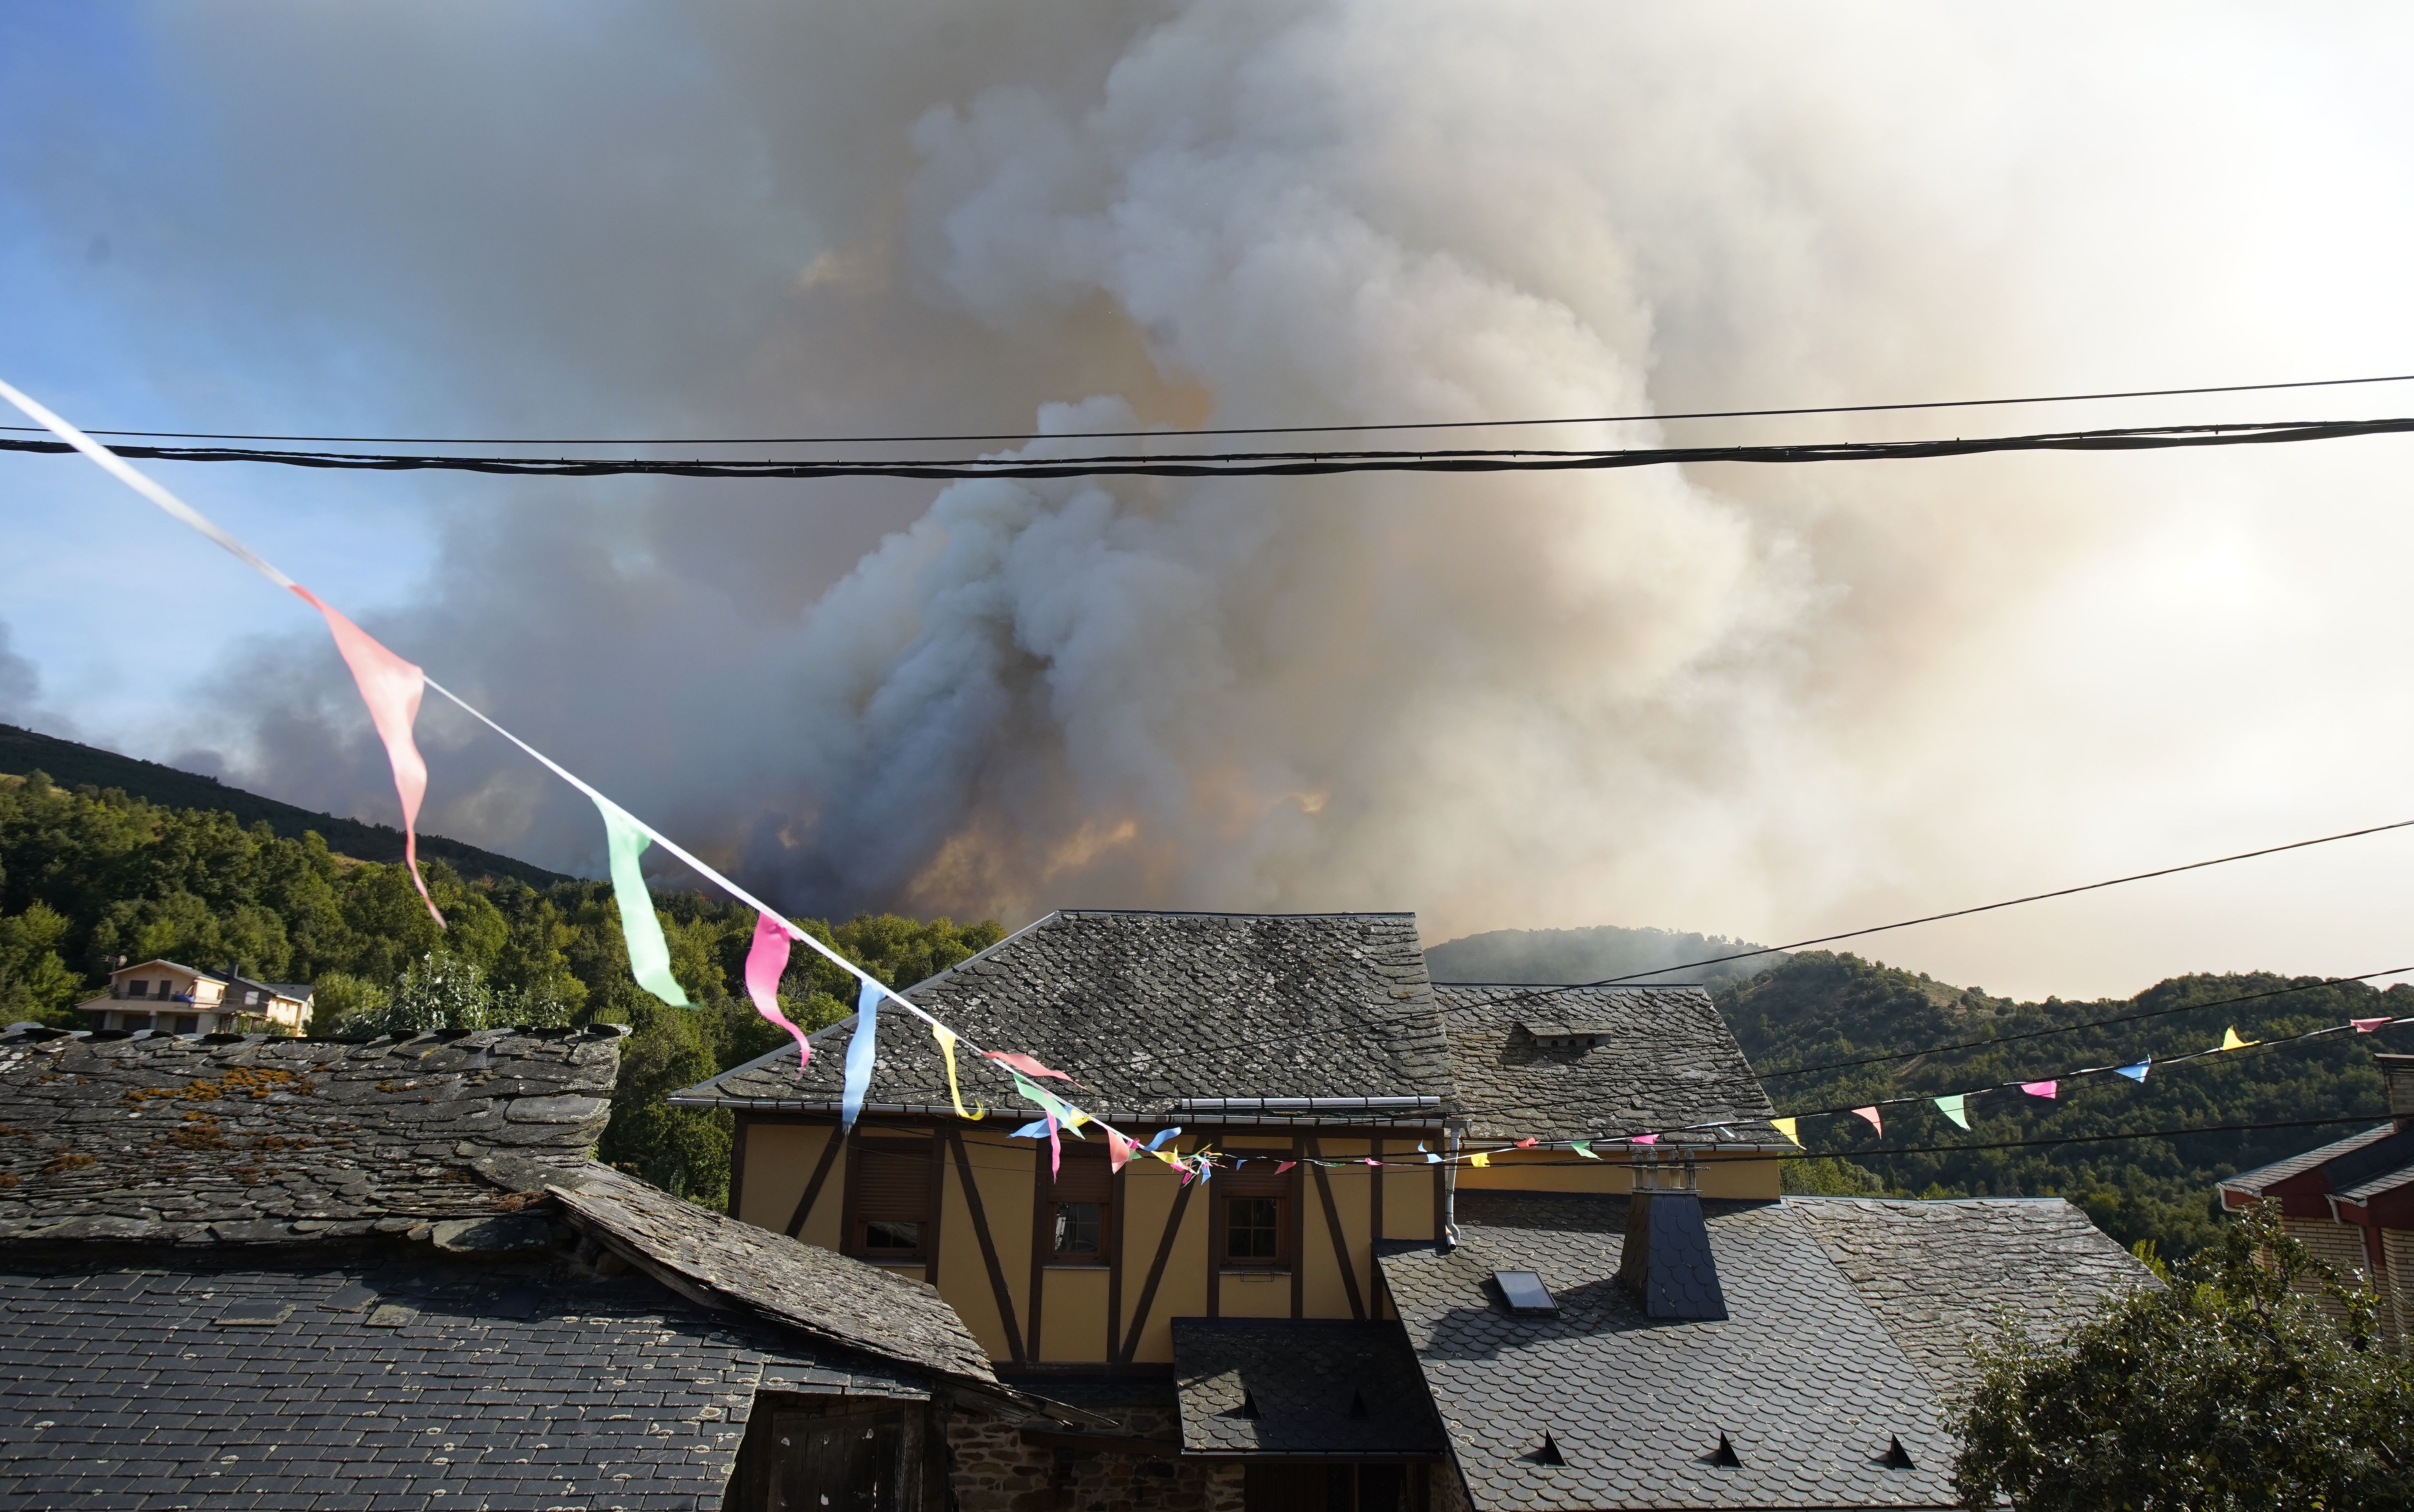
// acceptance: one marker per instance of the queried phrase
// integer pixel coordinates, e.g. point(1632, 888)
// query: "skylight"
point(1524, 1291)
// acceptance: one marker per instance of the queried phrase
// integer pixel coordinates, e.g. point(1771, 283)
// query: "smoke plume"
point(1760, 703)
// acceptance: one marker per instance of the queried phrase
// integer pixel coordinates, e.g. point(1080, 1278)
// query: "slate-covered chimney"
point(1666, 1262)
point(2398, 1069)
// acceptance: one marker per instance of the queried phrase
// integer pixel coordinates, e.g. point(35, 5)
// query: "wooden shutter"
point(893, 1185)
point(1085, 1178)
point(1256, 1177)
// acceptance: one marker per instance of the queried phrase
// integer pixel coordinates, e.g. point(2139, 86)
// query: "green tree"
point(34, 983)
point(2227, 1390)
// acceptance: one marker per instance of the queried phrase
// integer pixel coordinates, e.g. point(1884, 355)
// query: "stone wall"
point(991, 1469)
point(1445, 1492)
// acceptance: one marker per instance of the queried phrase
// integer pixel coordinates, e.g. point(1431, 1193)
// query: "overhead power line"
point(1243, 430)
point(1277, 463)
point(1637, 977)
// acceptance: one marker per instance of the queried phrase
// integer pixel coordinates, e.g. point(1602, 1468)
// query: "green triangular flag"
point(1952, 1108)
point(650, 959)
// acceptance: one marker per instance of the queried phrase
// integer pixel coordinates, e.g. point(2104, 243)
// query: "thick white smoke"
point(1759, 703)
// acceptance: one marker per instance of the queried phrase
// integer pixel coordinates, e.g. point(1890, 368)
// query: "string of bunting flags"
point(393, 688)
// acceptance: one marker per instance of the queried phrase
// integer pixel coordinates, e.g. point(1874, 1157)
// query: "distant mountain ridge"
point(71, 763)
point(1593, 954)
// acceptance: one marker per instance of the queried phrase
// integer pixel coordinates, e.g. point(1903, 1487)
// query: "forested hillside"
point(1821, 1007)
point(89, 875)
point(1591, 954)
point(71, 764)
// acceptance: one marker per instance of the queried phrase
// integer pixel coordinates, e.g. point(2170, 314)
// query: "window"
point(1255, 1227)
point(140, 988)
point(1081, 1194)
point(251, 999)
point(892, 1200)
point(1078, 1235)
point(134, 1021)
point(189, 1023)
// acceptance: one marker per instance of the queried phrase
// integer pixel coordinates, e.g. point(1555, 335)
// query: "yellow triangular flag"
point(2229, 1040)
point(1786, 1127)
point(947, 1038)
point(1479, 1157)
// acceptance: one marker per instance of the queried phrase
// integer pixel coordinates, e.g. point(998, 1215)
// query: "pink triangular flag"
point(1644, 1139)
point(1119, 1150)
point(1871, 1113)
point(1527, 1143)
point(2039, 1089)
point(390, 687)
point(2365, 1025)
point(1027, 1066)
point(1284, 1166)
point(767, 961)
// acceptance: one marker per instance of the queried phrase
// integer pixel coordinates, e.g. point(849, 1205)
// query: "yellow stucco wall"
point(1074, 1314)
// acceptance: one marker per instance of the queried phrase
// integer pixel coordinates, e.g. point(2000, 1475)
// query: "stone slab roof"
point(443, 1142)
point(1651, 1059)
point(1938, 1273)
point(1802, 1379)
point(817, 1291)
point(1256, 1386)
point(2263, 1177)
point(398, 1384)
point(249, 1139)
point(1147, 1010)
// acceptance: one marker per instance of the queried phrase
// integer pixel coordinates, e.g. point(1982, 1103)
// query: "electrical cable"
point(2093, 1023)
point(1285, 464)
point(1547, 990)
point(1241, 430)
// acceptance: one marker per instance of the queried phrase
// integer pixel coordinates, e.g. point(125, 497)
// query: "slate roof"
point(817, 1291)
point(381, 1383)
point(1253, 1387)
point(2262, 1179)
point(1654, 1058)
point(1802, 1379)
point(250, 1139)
point(1938, 1273)
point(1147, 1010)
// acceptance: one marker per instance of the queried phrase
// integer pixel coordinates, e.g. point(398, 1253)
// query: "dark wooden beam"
point(1375, 1175)
point(814, 1189)
point(1340, 1238)
point(1041, 1242)
point(1297, 1210)
point(988, 1247)
point(1115, 1269)
point(737, 1165)
point(1156, 1270)
point(938, 1204)
point(853, 1187)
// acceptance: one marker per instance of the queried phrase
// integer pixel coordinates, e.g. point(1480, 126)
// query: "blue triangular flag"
point(2138, 1071)
point(1035, 1129)
point(1162, 1136)
point(859, 1053)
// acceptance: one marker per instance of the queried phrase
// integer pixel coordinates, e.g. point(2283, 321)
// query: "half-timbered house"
point(1337, 1323)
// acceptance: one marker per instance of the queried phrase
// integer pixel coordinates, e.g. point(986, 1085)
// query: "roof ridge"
point(1217, 914)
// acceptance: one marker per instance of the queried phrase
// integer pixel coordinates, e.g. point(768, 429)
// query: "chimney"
point(1666, 1262)
point(2399, 1071)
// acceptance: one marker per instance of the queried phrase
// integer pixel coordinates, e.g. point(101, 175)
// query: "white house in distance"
point(180, 999)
